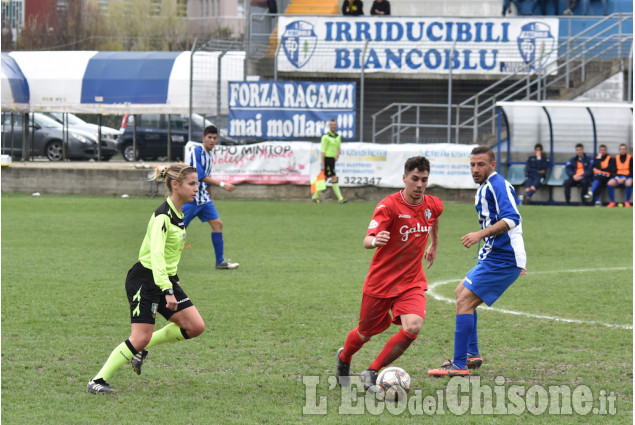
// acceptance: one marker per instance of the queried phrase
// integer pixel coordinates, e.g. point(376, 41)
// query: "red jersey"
point(397, 266)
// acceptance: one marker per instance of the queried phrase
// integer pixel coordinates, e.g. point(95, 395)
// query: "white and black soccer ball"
point(395, 383)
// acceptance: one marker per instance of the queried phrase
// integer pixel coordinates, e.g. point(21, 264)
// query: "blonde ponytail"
point(173, 172)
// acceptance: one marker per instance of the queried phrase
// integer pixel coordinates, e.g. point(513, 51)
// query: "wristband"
point(373, 243)
point(222, 184)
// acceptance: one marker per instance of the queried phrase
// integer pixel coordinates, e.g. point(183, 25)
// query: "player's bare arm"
point(431, 251)
point(473, 238)
point(227, 186)
point(382, 238)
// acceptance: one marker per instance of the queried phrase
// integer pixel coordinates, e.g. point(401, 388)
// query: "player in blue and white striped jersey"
point(203, 206)
point(501, 259)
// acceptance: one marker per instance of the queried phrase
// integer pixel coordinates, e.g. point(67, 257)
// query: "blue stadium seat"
point(516, 174)
point(558, 176)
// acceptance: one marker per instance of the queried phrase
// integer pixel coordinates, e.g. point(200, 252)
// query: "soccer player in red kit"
point(395, 282)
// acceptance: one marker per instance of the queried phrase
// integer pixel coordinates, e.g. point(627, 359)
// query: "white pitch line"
point(432, 286)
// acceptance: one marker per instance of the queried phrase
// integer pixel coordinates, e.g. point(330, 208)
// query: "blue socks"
point(611, 190)
point(594, 188)
point(472, 346)
point(217, 241)
point(464, 328)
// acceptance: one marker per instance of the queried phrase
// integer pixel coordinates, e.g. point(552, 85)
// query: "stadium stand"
point(303, 7)
point(489, 8)
point(468, 8)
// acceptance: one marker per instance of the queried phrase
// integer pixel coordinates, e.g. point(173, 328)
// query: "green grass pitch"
point(282, 315)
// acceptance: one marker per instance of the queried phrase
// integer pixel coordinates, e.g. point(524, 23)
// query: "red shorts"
point(374, 315)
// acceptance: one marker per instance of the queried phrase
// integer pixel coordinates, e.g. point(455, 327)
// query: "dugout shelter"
point(558, 126)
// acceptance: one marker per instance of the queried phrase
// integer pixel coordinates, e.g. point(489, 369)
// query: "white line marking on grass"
point(436, 296)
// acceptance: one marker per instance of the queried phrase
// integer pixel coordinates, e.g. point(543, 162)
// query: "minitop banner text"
point(359, 164)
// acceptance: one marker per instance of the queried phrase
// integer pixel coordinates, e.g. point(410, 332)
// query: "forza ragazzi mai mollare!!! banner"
point(291, 109)
point(417, 45)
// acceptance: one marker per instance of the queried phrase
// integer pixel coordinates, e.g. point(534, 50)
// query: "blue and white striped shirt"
point(495, 200)
point(202, 161)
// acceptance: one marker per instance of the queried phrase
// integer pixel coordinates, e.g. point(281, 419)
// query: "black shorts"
point(146, 298)
point(329, 167)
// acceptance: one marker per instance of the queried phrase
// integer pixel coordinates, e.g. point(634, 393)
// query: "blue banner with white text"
point(283, 110)
point(417, 45)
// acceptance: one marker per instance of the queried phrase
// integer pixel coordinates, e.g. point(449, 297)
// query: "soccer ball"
point(395, 383)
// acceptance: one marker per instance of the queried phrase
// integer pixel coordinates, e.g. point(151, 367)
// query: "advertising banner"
point(362, 164)
point(290, 109)
point(359, 164)
point(261, 163)
point(417, 44)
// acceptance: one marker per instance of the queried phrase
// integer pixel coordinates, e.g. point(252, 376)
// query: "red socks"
point(394, 348)
point(351, 346)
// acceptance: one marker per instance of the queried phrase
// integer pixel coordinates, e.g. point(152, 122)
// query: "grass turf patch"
point(280, 317)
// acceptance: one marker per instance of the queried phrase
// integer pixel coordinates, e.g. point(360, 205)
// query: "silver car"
point(45, 138)
point(108, 135)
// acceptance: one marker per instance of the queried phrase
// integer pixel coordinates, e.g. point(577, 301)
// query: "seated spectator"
point(507, 4)
point(623, 176)
point(380, 7)
point(586, 6)
point(571, 5)
point(353, 7)
point(603, 170)
point(524, 7)
point(543, 6)
point(536, 170)
point(579, 169)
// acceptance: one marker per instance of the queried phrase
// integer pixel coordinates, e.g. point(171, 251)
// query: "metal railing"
point(399, 124)
point(475, 117)
point(579, 51)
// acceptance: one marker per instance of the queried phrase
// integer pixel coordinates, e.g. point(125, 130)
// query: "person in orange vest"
point(603, 170)
point(623, 176)
point(580, 170)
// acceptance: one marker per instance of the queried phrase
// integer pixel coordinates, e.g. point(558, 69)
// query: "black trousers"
point(584, 187)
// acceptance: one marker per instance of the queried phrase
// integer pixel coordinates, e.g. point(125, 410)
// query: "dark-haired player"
point(396, 282)
point(203, 206)
point(501, 259)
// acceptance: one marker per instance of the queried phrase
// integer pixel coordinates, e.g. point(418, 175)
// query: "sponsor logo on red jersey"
point(406, 231)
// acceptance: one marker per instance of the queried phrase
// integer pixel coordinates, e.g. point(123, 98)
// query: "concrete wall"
point(109, 179)
point(116, 180)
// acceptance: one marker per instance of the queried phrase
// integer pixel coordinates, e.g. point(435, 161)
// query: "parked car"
point(108, 134)
point(152, 135)
point(46, 139)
